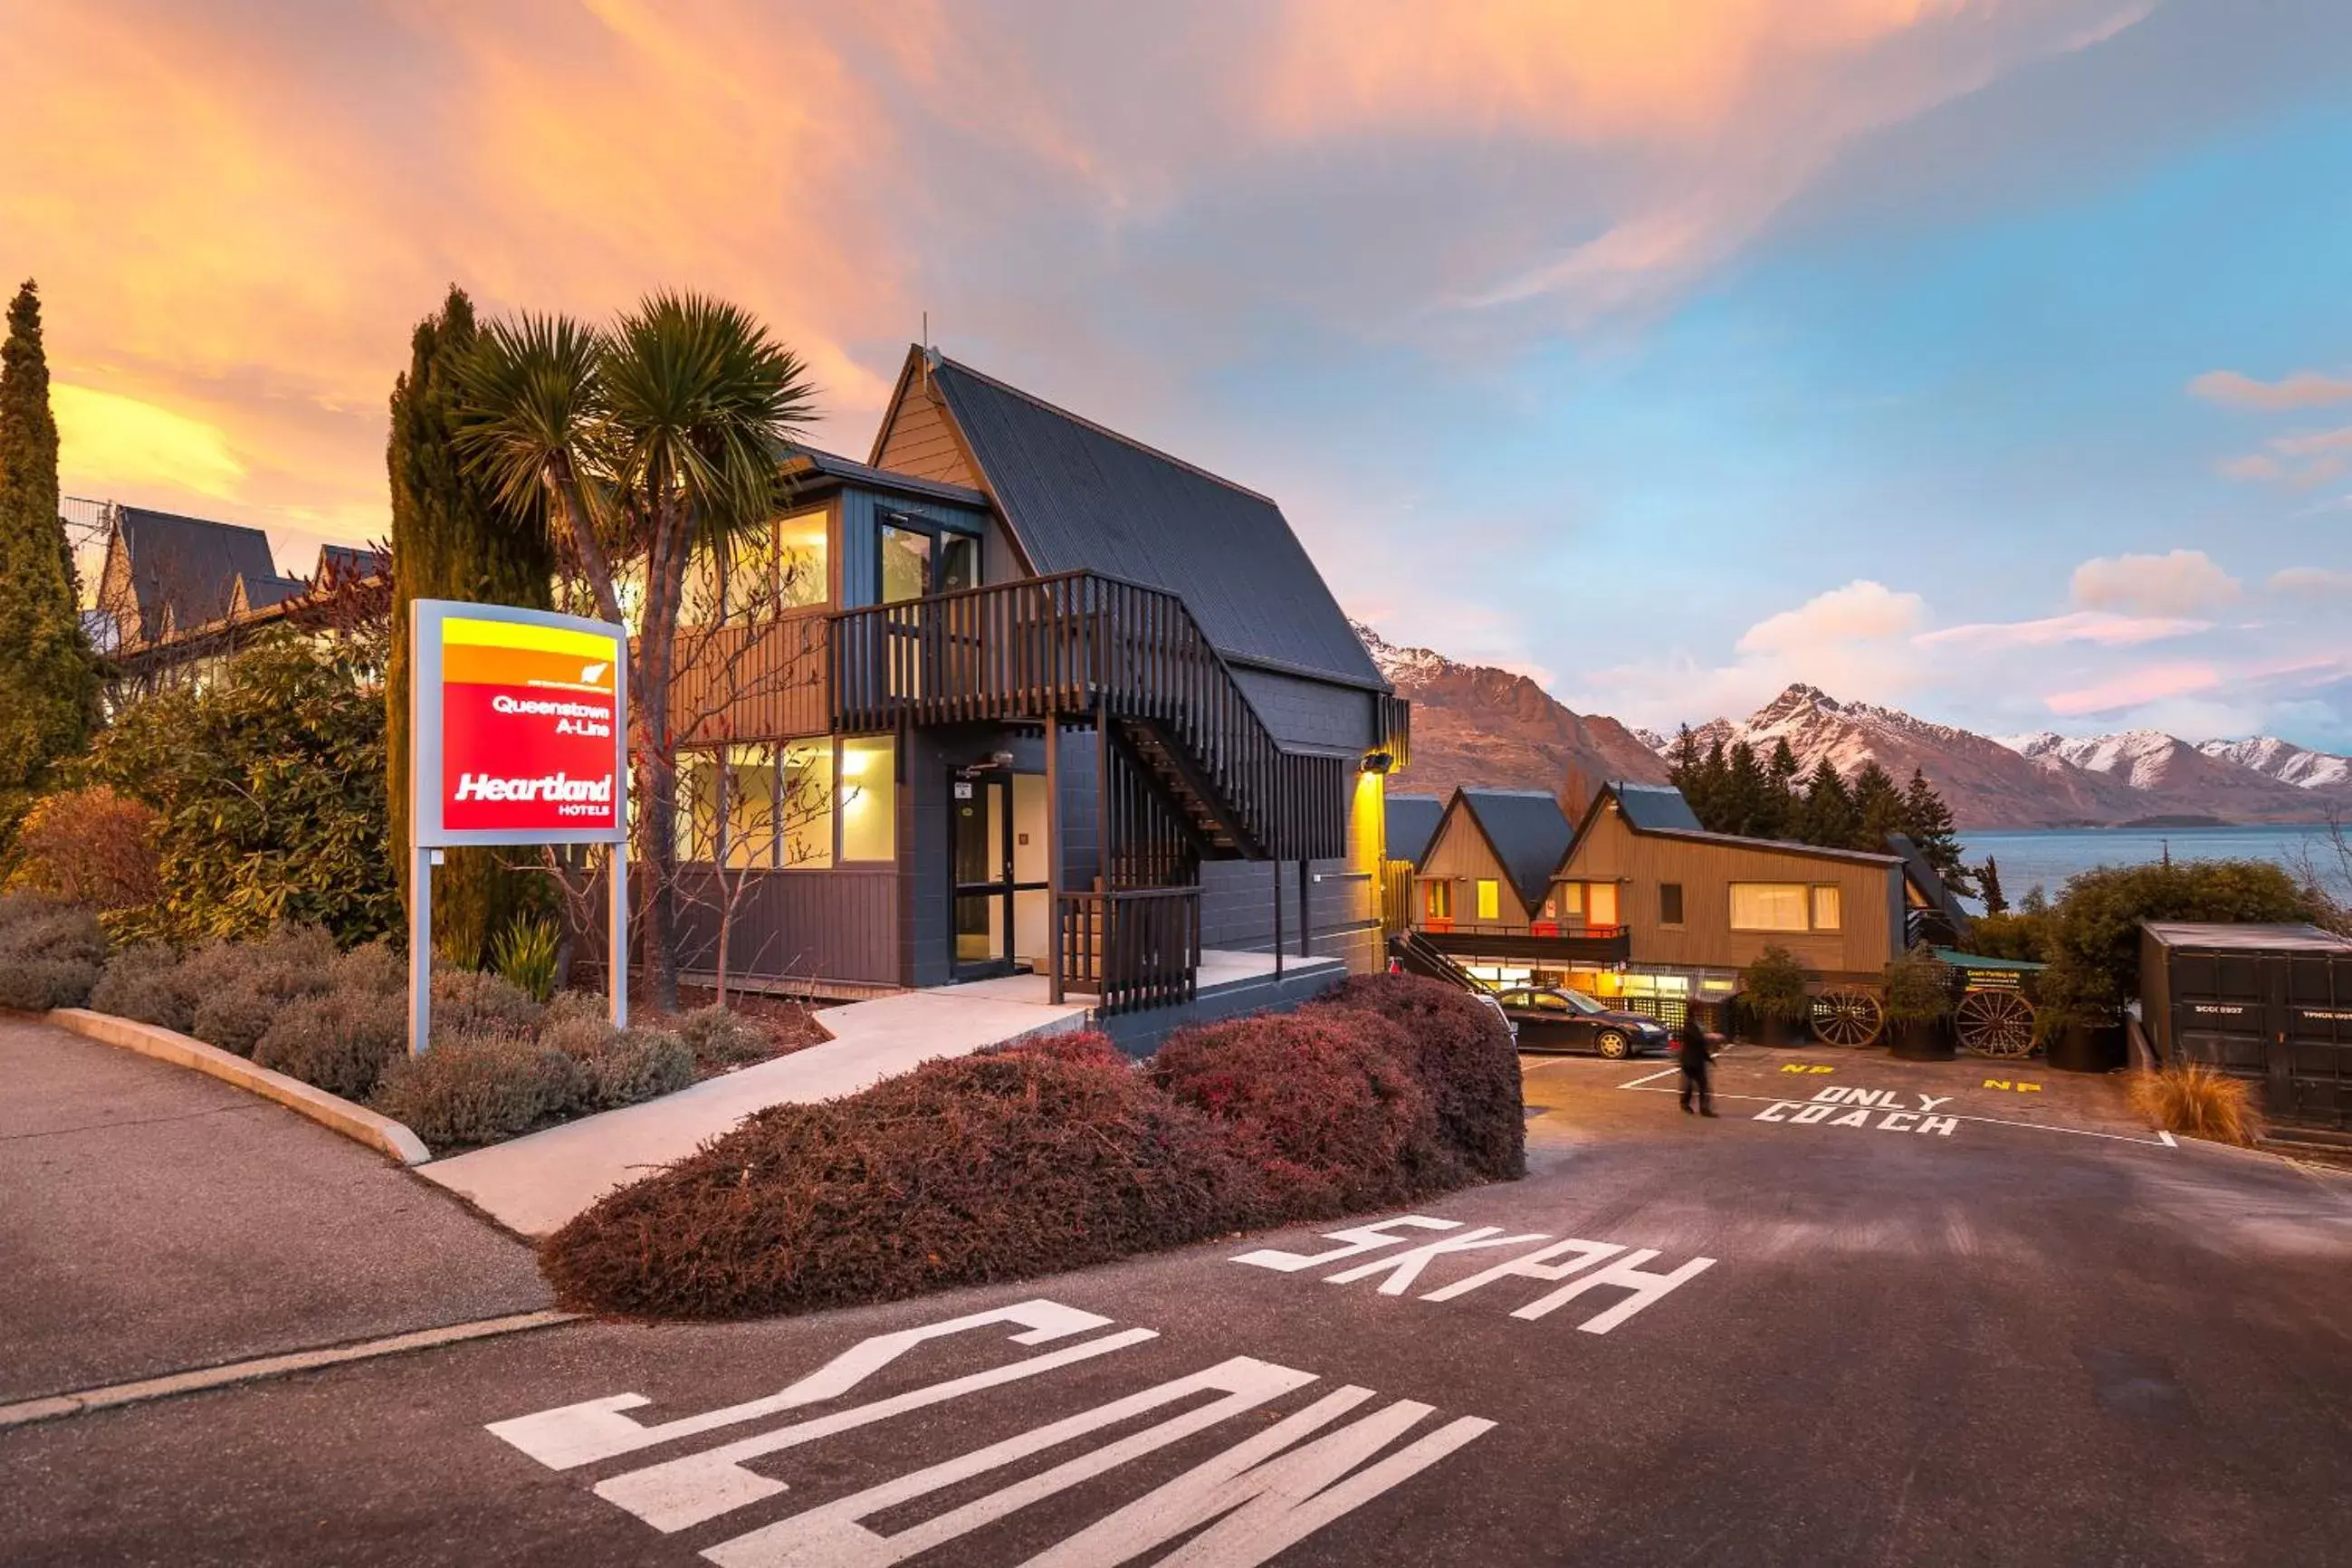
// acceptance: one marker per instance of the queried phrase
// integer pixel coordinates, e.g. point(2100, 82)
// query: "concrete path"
point(534, 1184)
point(153, 1220)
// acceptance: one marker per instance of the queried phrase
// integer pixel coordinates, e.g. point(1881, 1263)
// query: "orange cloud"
point(2303, 389)
point(2136, 687)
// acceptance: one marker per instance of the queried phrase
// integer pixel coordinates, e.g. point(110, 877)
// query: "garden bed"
point(1057, 1152)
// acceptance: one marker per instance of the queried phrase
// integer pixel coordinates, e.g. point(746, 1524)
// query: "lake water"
point(2050, 856)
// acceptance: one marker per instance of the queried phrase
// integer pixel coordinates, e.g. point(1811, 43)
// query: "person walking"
point(1697, 1055)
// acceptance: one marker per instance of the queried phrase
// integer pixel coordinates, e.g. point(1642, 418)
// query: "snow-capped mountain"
point(2284, 761)
point(2147, 759)
point(1478, 725)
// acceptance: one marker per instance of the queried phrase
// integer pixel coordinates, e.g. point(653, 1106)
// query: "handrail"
point(1133, 947)
point(1081, 642)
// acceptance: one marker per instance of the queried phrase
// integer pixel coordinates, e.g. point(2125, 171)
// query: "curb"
point(334, 1112)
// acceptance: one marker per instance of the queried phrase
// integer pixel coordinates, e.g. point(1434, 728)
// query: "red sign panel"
point(527, 720)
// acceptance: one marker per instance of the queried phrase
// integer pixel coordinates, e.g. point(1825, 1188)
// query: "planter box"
point(1775, 1032)
point(1920, 1039)
point(2088, 1047)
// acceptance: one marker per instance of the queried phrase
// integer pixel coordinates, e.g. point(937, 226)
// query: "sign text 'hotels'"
point(518, 721)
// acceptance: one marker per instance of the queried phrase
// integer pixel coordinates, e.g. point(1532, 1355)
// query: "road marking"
point(1236, 1509)
point(1806, 1066)
point(2016, 1086)
point(1670, 1072)
point(31, 1410)
point(2160, 1140)
point(1642, 1288)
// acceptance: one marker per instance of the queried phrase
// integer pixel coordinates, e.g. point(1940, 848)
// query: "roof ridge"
point(1104, 430)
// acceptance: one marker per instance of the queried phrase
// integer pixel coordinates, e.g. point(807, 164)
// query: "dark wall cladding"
point(805, 925)
point(1304, 712)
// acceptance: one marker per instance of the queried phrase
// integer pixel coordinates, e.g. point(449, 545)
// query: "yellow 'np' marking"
point(1804, 1066)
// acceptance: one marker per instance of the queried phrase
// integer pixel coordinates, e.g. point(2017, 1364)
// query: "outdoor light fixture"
point(1378, 762)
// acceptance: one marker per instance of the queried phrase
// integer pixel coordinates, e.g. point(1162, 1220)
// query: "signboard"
point(518, 733)
point(519, 726)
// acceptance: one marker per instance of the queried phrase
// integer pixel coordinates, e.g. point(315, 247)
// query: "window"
point(906, 564)
point(869, 799)
point(1670, 903)
point(1437, 899)
point(1570, 896)
point(1490, 899)
point(807, 804)
point(749, 805)
point(1827, 908)
point(781, 566)
point(1768, 906)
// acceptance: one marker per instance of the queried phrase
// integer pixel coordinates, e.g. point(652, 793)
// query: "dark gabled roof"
point(1527, 831)
point(261, 592)
point(1654, 808)
point(808, 459)
point(348, 562)
point(1413, 822)
point(1646, 812)
point(1924, 877)
point(188, 567)
point(1081, 497)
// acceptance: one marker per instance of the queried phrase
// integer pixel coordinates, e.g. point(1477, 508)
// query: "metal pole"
point(1277, 917)
point(1305, 925)
point(1053, 977)
point(617, 937)
point(420, 949)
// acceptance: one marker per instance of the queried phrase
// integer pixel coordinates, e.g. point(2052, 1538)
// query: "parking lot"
point(2041, 1335)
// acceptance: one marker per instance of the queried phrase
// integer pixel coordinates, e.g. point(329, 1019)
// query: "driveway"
point(1745, 1341)
point(153, 1220)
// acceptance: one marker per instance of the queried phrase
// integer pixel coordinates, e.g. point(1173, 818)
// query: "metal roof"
point(1081, 497)
point(1925, 877)
point(1413, 822)
point(1654, 807)
point(2247, 938)
point(1528, 831)
point(833, 466)
point(188, 566)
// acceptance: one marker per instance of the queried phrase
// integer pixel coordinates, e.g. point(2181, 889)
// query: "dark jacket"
point(1697, 1050)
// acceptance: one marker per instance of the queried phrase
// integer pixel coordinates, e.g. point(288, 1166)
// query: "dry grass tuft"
point(2198, 1102)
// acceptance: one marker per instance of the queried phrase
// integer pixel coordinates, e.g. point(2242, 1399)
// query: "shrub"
point(50, 953)
point(1772, 986)
point(235, 1020)
point(373, 968)
point(2093, 928)
point(524, 955)
point(474, 1088)
point(2199, 1100)
point(142, 983)
point(632, 1064)
point(342, 1042)
point(234, 991)
point(88, 847)
point(991, 1167)
point(1320, 1102)
point(720, 1039)
point(1462, 1053)
point(469, 1001)
point(1918, 987)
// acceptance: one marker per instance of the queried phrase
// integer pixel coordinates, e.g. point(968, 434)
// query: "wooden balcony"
point(762, 682)
point(1543, 942)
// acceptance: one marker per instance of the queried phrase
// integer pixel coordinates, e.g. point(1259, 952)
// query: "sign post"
point(518, 733)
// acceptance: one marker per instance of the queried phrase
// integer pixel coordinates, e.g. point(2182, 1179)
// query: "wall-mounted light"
point(1378, 762)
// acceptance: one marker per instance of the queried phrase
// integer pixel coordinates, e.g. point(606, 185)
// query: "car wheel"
point(1611, 1043)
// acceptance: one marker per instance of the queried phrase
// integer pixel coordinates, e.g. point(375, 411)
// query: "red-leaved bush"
point(1322, 1102)
point(1462, 1051)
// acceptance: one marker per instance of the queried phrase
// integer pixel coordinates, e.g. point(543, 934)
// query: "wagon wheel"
point(1844, 1017)
point(1995, 1023)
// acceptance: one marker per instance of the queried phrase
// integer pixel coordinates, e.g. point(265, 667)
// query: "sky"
point(1985, 358)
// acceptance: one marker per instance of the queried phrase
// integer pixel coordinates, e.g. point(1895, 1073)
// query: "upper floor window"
point(1784, 906)
point(1670, 903)
point(1490, 899)
point(781, 566)
point(1437, 899)
point(916, 560)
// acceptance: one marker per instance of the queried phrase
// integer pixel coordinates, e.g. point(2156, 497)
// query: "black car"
point(1550, 1020)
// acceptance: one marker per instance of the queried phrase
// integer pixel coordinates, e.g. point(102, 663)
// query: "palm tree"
point(637, 446)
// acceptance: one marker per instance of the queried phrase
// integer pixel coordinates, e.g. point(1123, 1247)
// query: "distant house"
point(1413, 822)
point(1639, 901)
point(177, 594)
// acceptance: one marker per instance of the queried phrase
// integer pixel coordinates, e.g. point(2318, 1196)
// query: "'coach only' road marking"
point(1258, 1497)
point(1399, 1272)
point(1848, 1106)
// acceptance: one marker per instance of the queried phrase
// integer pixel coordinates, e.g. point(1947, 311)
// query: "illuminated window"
point(749, 780)
point(1670, 903)
point(698, 806)
point(868, 800)
point(1569, 896)
point(1490, 899)
point(801, 574)
point(1437, 900)
point(805, 804)
point(1768, 906)
point(1827, 908)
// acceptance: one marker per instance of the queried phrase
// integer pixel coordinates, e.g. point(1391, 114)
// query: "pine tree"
point(1989, 887)
point(1746, 810)
point(1878, 805)
point(1827, 816)
point(1927, 823)
point(49, 680)
point(450, 541)
point(1780, 791)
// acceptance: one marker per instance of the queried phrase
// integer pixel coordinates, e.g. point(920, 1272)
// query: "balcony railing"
point(1134, 948)
point(1078, 642)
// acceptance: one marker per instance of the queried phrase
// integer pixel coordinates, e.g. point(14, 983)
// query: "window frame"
point(1804, 906)
point(1674, 906)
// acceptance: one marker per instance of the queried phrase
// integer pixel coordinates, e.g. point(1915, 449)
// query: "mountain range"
point(1478, 725)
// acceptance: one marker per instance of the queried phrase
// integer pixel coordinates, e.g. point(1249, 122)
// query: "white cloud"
point(2101, 627)
point(2315, 582)
point(2303, 389)
point(1861, 611)
point(2180, 583)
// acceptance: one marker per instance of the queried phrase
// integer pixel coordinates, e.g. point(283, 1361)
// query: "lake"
point(2050, 856)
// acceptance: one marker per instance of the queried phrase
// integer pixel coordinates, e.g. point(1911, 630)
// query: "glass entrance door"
point(980, 858)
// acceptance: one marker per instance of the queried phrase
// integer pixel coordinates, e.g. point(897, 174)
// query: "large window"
point(917, 560)
point(805, 791)
point(868, 800)
point(798, 804)
point(1769, 906)
point(781, 566)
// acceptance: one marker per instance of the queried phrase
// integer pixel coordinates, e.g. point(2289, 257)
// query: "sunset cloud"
point(2303, 389)
point(2181, 583)
point(2313, 581)
point(2102, 627)
point(110, 442)
point(2136, 689)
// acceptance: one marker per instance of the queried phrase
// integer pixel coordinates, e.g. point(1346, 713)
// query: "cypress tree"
point(48, 680)
point(1989, 887)
point(451, 540)
point(1927, 823)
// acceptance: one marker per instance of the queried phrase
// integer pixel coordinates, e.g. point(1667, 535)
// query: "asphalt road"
point(2035, 1335)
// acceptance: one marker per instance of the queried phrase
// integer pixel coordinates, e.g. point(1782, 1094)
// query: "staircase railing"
point(1080, 642)
point(1134, 948)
